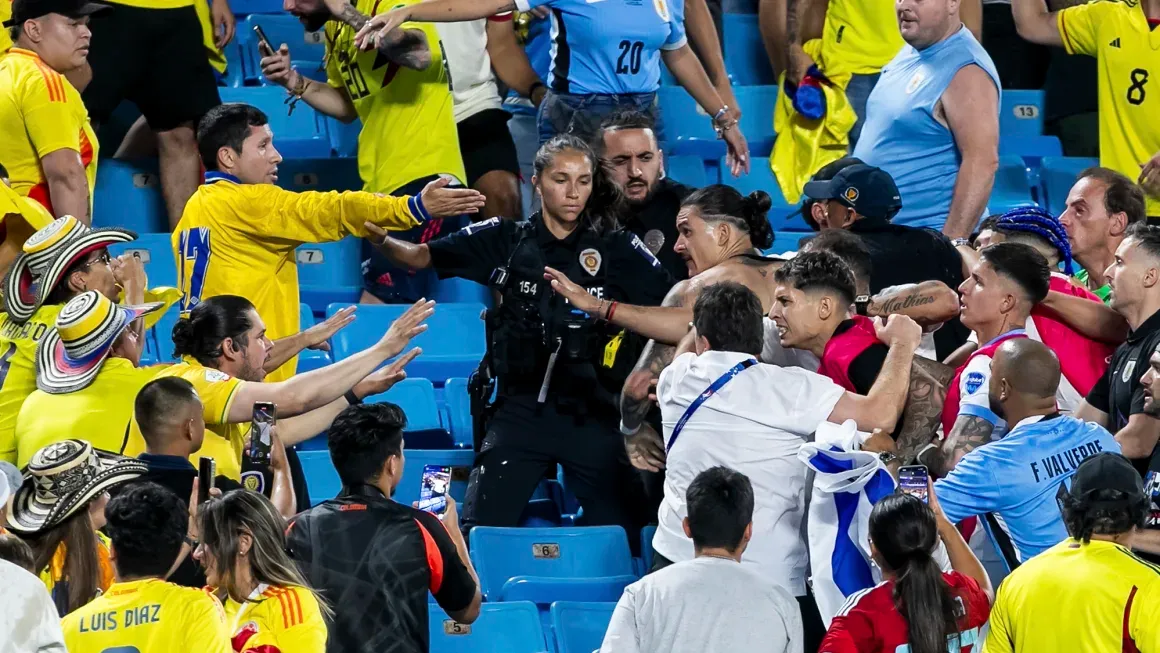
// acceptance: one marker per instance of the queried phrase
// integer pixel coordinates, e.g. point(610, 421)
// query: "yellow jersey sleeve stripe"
point(223, 418)
point(52, 80)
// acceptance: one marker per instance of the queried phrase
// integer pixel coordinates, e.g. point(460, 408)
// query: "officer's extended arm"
point(666, 324)
point(400, 252)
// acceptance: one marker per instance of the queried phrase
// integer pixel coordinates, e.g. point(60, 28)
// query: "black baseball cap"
point(825, 173)
point(23, 10)
point(868, 190)
point(1107, 471)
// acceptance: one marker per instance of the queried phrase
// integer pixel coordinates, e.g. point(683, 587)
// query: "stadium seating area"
point(550, 588)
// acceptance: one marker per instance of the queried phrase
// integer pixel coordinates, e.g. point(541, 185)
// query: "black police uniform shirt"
point(655, 223)
point(929, 256)
point(1119, 394)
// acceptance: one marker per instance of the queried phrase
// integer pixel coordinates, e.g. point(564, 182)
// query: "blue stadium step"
point(580, 627)
point(324, 483)
point(1058, 175)
point(301, 134)
point(452, 346)
point(1021, 114)
point(318, 174)
point(329, 273)
point(501, 628)
point(501, 554)
point(128, 195)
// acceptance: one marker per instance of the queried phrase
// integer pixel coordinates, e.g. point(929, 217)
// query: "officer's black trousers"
point(522, 445)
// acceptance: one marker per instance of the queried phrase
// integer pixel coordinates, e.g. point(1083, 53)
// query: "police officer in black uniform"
point(558, 370)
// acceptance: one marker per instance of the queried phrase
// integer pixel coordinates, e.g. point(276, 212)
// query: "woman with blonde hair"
point(269, 606)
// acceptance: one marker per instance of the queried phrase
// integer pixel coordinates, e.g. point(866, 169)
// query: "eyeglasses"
point(102, 259)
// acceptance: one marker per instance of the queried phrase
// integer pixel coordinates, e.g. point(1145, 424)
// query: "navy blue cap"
point(868, 190)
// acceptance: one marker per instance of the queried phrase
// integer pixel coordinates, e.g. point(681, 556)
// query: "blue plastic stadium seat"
point(1058, 175)
point(1022, 114)
point(309, 359)
point(324, 483)
point(580, 627)
point(757, 104)
point(300, 135)
point(330, 273)
point(544, 591)
point(782, 215)
point(460, 291)
point(689, 170)
point(1031, 148)
point(459, 407)
point(156, 252)
point(244, 7)
point(1011, 189)
point(646, 547)
point(501, 554)
point(500, 628)
point(234, 75)
point(306, 48)
point(452, 346)
point(344, 137)
point(417, 399)
point(321, 174)
point(745, 58)
point(128, 194)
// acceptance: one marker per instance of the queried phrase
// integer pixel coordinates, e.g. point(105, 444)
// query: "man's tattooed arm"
point(406, 47)
point(924, 404)
point(968, 433)
point(634, 401)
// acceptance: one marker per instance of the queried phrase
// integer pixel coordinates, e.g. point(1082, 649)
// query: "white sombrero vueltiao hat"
point(62, 478)
point(47, 255)
point(69, 356)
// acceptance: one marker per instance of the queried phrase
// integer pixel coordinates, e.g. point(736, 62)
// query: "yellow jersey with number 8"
point(408, 120)
point(1118, 34)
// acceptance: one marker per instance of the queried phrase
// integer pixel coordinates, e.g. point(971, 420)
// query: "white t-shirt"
point(707, 605)
point(755, 424)
point(472, 83)
point(28, 618)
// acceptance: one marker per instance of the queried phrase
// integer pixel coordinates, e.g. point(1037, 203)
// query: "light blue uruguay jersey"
point(610, 47)
point(1019, 477)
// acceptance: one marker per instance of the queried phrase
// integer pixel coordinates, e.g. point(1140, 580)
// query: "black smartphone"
point(264, 47)
point(913, 480)
point(261, 441)
point(206, 473)
point(433, 493)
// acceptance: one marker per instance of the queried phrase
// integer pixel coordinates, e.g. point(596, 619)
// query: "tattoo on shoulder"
point(968, 433)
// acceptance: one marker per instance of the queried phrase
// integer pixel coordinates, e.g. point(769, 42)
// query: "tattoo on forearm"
point(969, 433)
point(924, 404)
point(653, 360)
point(352, 17)
point(898, 304)
point(407, 47)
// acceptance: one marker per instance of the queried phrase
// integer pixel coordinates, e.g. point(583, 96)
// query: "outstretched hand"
point(575, 294)
point(317, 336)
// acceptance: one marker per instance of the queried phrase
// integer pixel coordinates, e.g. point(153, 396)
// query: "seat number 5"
point(1136, 90)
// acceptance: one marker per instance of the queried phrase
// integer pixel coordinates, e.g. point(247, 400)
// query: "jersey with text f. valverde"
point(610, 46)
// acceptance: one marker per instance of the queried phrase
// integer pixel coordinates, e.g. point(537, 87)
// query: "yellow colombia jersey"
point(99, 413)
point(18, 369)
point(1078, 597)
point(223, 441)
point(1117, 33)
point(148, 616)
point(40, 113)
point(239, 239)
point(276, 620)
point(408, 122)
point(859, 37)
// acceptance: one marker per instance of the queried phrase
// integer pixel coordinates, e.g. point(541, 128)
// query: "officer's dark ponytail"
point(904, 533)
point(212, 321)
point(606, 203)
point(747, 213)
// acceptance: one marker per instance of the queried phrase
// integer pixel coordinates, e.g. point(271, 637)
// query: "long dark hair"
point(904, 532)
point(209, 323)
point(606, 203)
point(746, 212)
point(82, 567)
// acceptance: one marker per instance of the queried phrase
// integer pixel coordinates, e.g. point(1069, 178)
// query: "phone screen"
point(912, 479)
point(433, 493)
point(261, 441)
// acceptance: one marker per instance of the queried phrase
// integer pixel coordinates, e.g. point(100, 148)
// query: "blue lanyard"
point(713, 389)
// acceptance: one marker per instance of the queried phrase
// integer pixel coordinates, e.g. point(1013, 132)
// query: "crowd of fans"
point(922, 428)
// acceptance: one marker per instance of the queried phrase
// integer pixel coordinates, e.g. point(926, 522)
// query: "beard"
point(249, 373)
point(314, 21)
point(996, 407)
